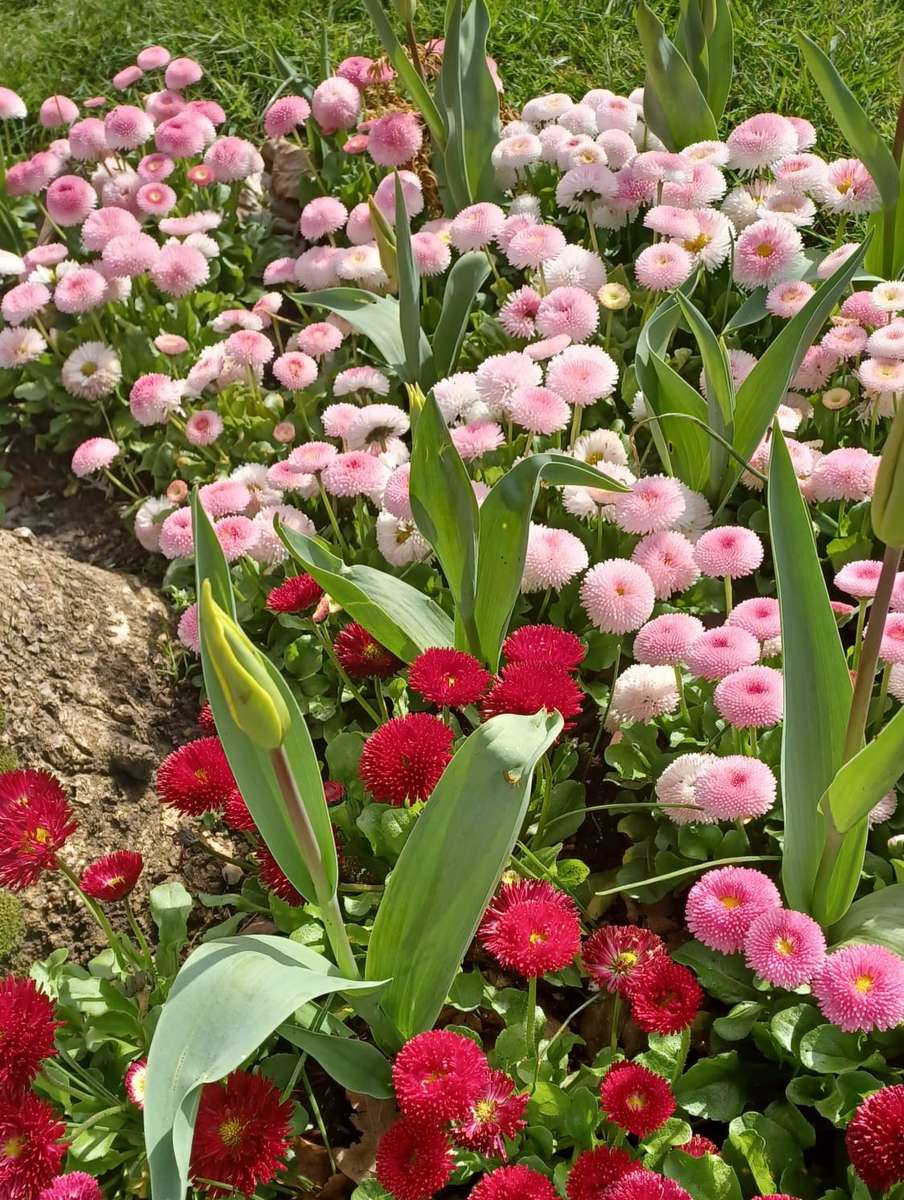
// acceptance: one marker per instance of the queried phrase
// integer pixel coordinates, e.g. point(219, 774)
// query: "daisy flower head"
point(355, 473)
point(32, 1149)
point(500, 376)
point(666, 997)
point(241, 1134)
point(74, 1185)
point(27, 1029)
point(103, 224)
point(887, 341)
point(888, 297)
point(836, 259)
point(236, 535)
point(646, 1185)
point(735, 788)
point(414, 1162)
point(223, 497)
point(179, 269)
point(654, 503)
point(203, 427)
point(728, 551)
point(360, 379)
point(527, 687)
point(531, 928)
point(636, 1099)
point(336, 104)
point(296, 595)
point(412, 194)
point(581, 375)
point(431, 254)
point(785, 948)
point(665, 640)
point(23, 302)
point(642, 693)
point(761, 141)
point(80, 290)
point(476, 226)
point(848, 473)
point(785, 300)
point(568, 310)
point(403, 760)
point(616, 956)
point(375, 427)
point(518, 314)
point(176, 537)
point(127, 127)
point(534, 245)
point(134, 1081)
point(437, 1077)
point(286, 114)
point(576, 267)
point(514, 1183)
point(362, 656)
point(859, 578)
point(322, 216)
point(721, 651)
point(724, 903)
point(21, 346)
point(875, 1138)
point(766, 253)
point(93, 455)
point(860, 988)
point(676, 789)
point(113, 876)
point(759, 616)
point(31, 833)
point(544, 644)
point(881, 376)
point(751, 698)
point(271, 875)
point(188, 630)
point(196, 778)
point(848, 187)
point(448, 677)
point(663, 266)
point(594, 1171)
point(618, 596)
point(496, 1114)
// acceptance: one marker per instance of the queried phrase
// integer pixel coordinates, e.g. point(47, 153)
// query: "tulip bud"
point(888, 495)
point(406, 10)
point(385, 239)
point(255, 704)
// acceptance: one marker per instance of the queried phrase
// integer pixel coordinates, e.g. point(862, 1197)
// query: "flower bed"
point(532, 509)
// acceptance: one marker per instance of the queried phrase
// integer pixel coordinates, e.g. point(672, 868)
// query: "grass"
point(251, 47)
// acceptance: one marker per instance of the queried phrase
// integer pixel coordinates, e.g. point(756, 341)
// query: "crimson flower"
point(531, 927)
point(196, 778)
point(112, 877)
point(413, 1161)
point(20, 788)
point(31, 833)
point(665, 997)
point(514, 1183)
point(241, 1134)
point(30, 1147)
point(875, 1138)
point(438, 1076)
point(596, 1170)
point(362, 656)
point(636, 1098)
point(496, 1114)
point(448, 677)
point(544, 645)
point(403, 760)
point(275, 879)
point(296, 595)
point(615, 954)
point(27, 1027)
point(526, 688)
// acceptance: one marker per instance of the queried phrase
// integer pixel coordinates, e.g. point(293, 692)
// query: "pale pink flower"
point(155, 166)
point(336, 419)
point(668, 558)
point(94, 455)
point(787, 299)
point(576, 267)
point(152, 58)
point(20, 346)
point(729, 550)
point(129, 254)
point(69, 199)
point(477, 438)
point(319, 339)
point(766, 252)
point(364, 72)
point(500, 376)
point(57, 111)
point(127, 127)
point(653, 504)
point(848, 473)
point(816, 366)
point(535, 245)
point(722, 651)
point(355, 473)
point(617, 595)
point(203, 427)
point(887, 342)
point(663, 266)
point(88, 140)
point(176, 538)
point(360, 379)
point(12, 106)
point(861, 307)
point(582, 374)
point(665, 640)
point(249, 347)
point(860, 988)
point(759, 616)
point(23, 302)
point(882, 375)
point(846, 341)
point(431, 254)
point(155, 199)
point(832, 262)
point(321, 216)
point(859, 578)
point(336, 104)
point(179, 270)
point(312, 457)
point(394, 139)
point(286, 114)
point(568, 310)
point(232, 159)
point(735, 788)
point(375, 426)
point(849, 188)
point(80, 290)
point(518, 313)
point(676, 788)
point(91, 371)
point(761, 141)
point(538, 410)
point(553, 558)
point(671, 222)
point(295, 370)
point(412, 194)
point(153, 397)
point(751, 698)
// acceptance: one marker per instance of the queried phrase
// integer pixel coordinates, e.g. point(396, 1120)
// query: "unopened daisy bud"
point(614, 296)
point(887, 505)
point(177, 491)
point(254, 703)
point(835, 398)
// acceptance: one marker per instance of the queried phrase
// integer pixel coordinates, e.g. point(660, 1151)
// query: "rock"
point(88, 693)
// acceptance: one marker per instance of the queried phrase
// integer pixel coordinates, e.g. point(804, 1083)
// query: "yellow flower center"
point(485, 1110)
point(864, 983)
point(636, 1102)
point(537, 937)
point(730, 902)
point(231, 1132)
point(696, 244)
point(13, 1146)
point(784, 946)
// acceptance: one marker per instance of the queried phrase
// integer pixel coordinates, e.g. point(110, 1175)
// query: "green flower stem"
point(343, 675)
point(591, 228)
point(530, 1020)
point(381, 700)
point(616, 1018)
point(682, 871)
point(728, 595)
point(330, 512)
point(142, 941)
point(122, 952)
point(869, 652)
point(858, 635)
point(679, 683)
point(575, 425)
point(544, 785)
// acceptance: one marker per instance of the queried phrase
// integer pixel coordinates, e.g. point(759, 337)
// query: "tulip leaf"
point(355, 1065)
point(480, 103)
point(762, 391)
point(251, 765)
point(398, 615)
point(864, 779)
point(462, 285)
point(406, 71)
point(445, 510)
point(504, 528)
point(228, 998)
point(418, 356)
point(674, 106)
point(877, 918)
point(450, 866)
point(450, 95)
point(720, 399)
point(817, 683)
point(376, 317)
point(708, 1176)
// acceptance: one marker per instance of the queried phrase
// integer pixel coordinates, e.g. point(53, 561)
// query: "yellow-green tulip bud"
point(888, 495)
point(406, 10)
point(255, 704)
point(385, 239)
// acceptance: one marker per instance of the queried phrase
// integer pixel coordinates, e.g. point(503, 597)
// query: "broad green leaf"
point(817, 683)
point(462, 284)
point(228, 998)
point(170, 906)
point(876, 918)
point(828, 1050)
point(451, 864)
point(450, 97)
point(720, 54)
point(752, 311)
point(708, 1176)
point(690, 40)
point(398, 615)
point(864, 779)
point(406, 71)
point(504, 527)
point(480, 103)
point(376, 317)
point(762, 391)
point(355, 1065)
point(674, 106)
point(719, 386)
point(418, 357)
point(445, 510)
point(713, 1088)
point(252, 766)
point(865, 139)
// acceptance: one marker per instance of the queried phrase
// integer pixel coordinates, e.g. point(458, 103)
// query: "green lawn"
point(248, 47)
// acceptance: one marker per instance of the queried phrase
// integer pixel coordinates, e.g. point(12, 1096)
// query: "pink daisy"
point(534, 245)
point(477, 438)
point(203, 427)
point(553, 558)
point(665, 640)
point(766, 252)
point(668, 558)
point(95, 454)
point(663, 267)
point(860, 988)
point(539, 410)
point(676, 789)
point(735, 788)
point(729, 550)
point(179, 270)
point(859, 578)
point(286, 114)
point(751, 698)
point(721, 651)
point(355, 473)
point(785, 948)
point(236, 535)
point(582, 375)
point(322, 216)
point(724, 903)
point(653, 504)
point(759, 616)
point(617, 595)
point(568, 310)
point(394, 139)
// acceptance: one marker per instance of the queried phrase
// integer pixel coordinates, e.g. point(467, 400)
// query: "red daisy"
point(413, 1161)
point(875, 1138)
point(438, 1076)
point(524, 687)
point(27, 1027)
point(531, 927)
point(74, 1186)
point(698, 1146)
point(30, 836)
point(274, 878)
point(297, 594)
point(241, 1134)
point(113, 876)
point(403, 760)
point(496, 1114)
point(636, 1098)
point(237, 815)
point(596, 1170)
point(665, 997)
point(30, 1147)
point(545, 645)
point(514, 1183)
point(134, 1081)
point(616, 954)
point(645, 1185)
point(206, 722)
point(448, 677)
point(196, 778)
point(19, 788)
point(362, 656)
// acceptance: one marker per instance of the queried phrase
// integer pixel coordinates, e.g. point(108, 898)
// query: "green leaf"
point(717, 373)
point(227, 999)
point(376, 317)
point(418, 356)
point(761, 392)
point(722, 975)
point(674, 106)
point(817, 683)
point(416, 87)
point(504, 527)
point(712, 1088)
point(451, 864)
point(480, 103)
point(876, 918)
point(864, 779)
point(398, 615)
point(827, 1050)
point(355, 1065)
point(751, 311)
point(170, 906)
point(708, 1176)
point(445, 511)
point(450, 96)
point(720, 56)
point(462, 284)
point(748, 1147)
point(251, 765)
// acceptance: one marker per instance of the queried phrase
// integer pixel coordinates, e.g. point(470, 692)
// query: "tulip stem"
point(869, 651)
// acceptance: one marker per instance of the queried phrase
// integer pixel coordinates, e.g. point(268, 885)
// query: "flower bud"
point(254, 701)
point(887, 505)
point(385, 239)
point(835, 398)
point(614, 296)
point(406, 10)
